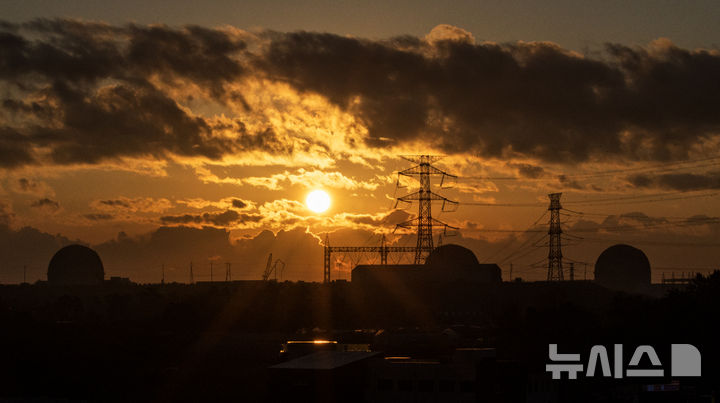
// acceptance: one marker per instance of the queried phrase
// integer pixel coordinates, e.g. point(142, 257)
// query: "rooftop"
point(325, 360)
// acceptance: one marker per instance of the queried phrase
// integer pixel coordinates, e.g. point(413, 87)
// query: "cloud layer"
point(83, 92)
point(535, 99)
point(78, 92)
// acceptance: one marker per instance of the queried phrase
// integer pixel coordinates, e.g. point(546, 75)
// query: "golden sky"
point(163, 144)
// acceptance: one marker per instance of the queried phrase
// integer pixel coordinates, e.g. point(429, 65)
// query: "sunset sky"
point(173, 132)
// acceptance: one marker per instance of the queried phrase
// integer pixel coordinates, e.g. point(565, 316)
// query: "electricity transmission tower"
point(424, 221)
point(555, 267)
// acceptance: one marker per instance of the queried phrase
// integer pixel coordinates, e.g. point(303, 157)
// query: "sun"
point(318, 201)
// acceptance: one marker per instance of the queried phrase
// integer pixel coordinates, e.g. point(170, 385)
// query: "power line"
point(524, 252)
point(656, 243)
point(640, 217)
point(659, 197)
point(630, 228)
point(637, 198)
point(666, 167)
point(501, 204)
point(528, 229)
point(688, 223)
point(520, 249)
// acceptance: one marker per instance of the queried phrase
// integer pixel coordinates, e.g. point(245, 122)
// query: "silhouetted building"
point(623, 267)
point(466, 375)
point(323, 376)
point(445, 264)
point(117, 280)
point(75, 265)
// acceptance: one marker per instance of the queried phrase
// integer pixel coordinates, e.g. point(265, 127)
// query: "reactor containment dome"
point(75, 265)
point(623, 267)
point(456, 262)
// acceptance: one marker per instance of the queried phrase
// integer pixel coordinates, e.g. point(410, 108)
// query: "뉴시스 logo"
point(685, 360)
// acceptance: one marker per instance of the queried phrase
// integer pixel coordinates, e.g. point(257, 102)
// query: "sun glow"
point(318, 201)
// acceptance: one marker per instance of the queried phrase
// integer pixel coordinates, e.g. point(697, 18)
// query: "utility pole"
point(511, 268)
point(192, 278)
point(555, 267)
point(162, 281)
point(228, 272)
point(383, 251)
point(572, 271)
point(326, 259)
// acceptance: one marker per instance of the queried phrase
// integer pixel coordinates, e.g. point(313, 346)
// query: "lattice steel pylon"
point(555, 267)
point(424, 221)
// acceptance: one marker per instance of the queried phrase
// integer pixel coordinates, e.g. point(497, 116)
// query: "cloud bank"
point(86, 92)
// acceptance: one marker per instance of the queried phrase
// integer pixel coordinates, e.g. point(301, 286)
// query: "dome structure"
point(455, 262)
point(623, 267)
point(452, 256)
point(75, 265)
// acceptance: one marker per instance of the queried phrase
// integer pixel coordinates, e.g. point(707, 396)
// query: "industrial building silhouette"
point(446, 264)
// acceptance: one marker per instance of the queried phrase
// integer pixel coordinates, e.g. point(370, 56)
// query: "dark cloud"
point(237, 203)
point(250, 217)
point(121, 121)
point(626, 222)
point(643, 218)
point(529, 171)
point(389, 220)
point(115, 203)
point(219, 219)
point(702, 219)
point(530, 98)
point(125, 121)
point(99, 216)
point(83, 52)
point(181, 219)
point(570, 183)
point(90, 92)
point(26, 185)
point(15, 150)
point(93, 97)
point(46, 203)
point(391, 83)
point(199, 54)
point(680, 181)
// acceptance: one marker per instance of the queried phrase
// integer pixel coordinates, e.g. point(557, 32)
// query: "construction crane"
point(278, 267)
point(268, 268)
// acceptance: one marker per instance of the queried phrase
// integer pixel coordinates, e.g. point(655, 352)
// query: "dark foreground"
point(216, 342)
